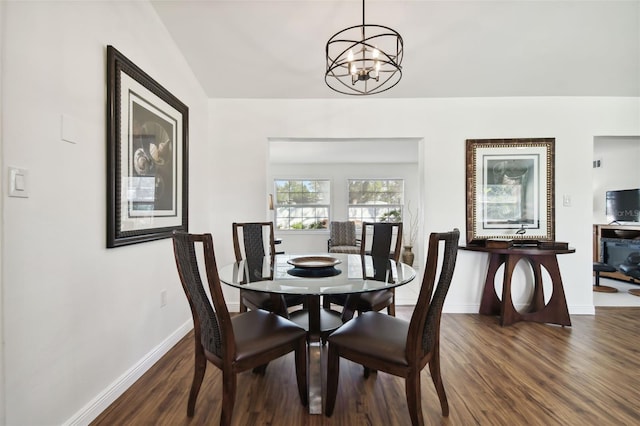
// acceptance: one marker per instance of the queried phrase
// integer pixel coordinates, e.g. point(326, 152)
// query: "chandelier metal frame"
point(366, 65)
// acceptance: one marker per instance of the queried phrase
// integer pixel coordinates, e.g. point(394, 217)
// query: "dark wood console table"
point(554, 312)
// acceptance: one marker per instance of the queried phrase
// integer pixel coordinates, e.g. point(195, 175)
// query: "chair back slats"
point(425, 320)
point(381, 243)
point(382, 240)
point(254, 270)
point(252, 235)
point(205, 317)
point(379, 270)
point(253, 241)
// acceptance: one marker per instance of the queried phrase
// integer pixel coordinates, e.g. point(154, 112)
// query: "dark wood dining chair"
point(247, 341)
point(382, 247)
point(385, 343)
point(253, 241)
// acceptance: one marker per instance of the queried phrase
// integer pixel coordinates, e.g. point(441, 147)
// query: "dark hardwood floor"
point(527, 373)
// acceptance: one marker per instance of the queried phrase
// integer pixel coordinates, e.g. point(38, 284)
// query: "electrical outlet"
point(163, 298)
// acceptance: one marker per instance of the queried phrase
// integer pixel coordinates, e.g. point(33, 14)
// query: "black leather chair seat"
point(372, 300)
point(603, 267)
point(375, 298)
point(631, 270)
point(625, 269)
point(264, 300)
point(251, 328)
point(376, 333)
point(631, 266)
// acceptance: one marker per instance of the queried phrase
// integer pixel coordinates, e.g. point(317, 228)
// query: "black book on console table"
point(553, 245)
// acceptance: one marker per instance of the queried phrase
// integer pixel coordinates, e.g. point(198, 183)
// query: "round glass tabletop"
point(330, 273)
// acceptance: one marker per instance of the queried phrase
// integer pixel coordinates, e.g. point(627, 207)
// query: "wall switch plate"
point(566, 200)
point(163, 298)
point(18, 182)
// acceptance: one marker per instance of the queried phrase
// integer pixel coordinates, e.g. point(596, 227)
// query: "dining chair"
point(395, 346)
point(245, 341)
point(253, 241)
point(386, 239)
point(383, 246)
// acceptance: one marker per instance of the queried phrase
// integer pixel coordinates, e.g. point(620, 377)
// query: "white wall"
point(619, 169)
point(80, 321)
point(240, 130)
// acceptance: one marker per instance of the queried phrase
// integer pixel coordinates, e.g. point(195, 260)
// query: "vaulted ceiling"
point(275, 49)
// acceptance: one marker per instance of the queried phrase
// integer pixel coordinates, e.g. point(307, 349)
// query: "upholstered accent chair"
point(343, 238)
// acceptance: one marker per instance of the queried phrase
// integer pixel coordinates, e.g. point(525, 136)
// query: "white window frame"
point(379, 206)
point(302, 212)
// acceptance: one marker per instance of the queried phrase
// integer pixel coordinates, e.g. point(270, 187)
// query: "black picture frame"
point(147, 156)
point(510, 186)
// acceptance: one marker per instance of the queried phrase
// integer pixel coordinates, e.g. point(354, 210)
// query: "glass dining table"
point(314, 276)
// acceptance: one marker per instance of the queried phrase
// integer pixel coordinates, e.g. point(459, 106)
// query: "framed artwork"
point(510, 189)
point(147, 156)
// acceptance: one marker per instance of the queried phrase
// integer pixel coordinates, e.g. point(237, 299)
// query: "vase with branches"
point(410, 235)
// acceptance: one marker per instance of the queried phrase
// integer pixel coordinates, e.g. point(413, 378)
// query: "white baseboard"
point(473, 309)
point(460, 309)
point(582, 310)
point(104, 399)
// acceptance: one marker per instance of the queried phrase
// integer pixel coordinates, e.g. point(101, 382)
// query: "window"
point(302, 204)
point(376, 200)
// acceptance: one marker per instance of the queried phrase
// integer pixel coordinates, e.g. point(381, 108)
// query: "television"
point(623, 205)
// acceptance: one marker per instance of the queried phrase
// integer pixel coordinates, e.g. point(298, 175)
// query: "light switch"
point(566, 200)
point(18, 182)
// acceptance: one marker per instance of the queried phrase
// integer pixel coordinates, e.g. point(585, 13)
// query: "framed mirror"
point(510, 189)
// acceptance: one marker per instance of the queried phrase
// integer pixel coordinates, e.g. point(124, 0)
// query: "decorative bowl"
point(314, 262)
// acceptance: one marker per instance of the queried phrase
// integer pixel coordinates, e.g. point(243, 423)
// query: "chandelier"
point(364, 59)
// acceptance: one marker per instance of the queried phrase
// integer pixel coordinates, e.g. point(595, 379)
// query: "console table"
point(554, 312)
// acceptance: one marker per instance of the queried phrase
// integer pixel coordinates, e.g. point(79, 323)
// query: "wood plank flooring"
point(527, 373)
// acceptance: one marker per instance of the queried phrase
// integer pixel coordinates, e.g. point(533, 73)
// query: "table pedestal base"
point(319, 323)
point(554, 312)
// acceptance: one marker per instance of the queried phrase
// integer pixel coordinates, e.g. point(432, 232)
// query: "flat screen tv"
point(623, 205)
